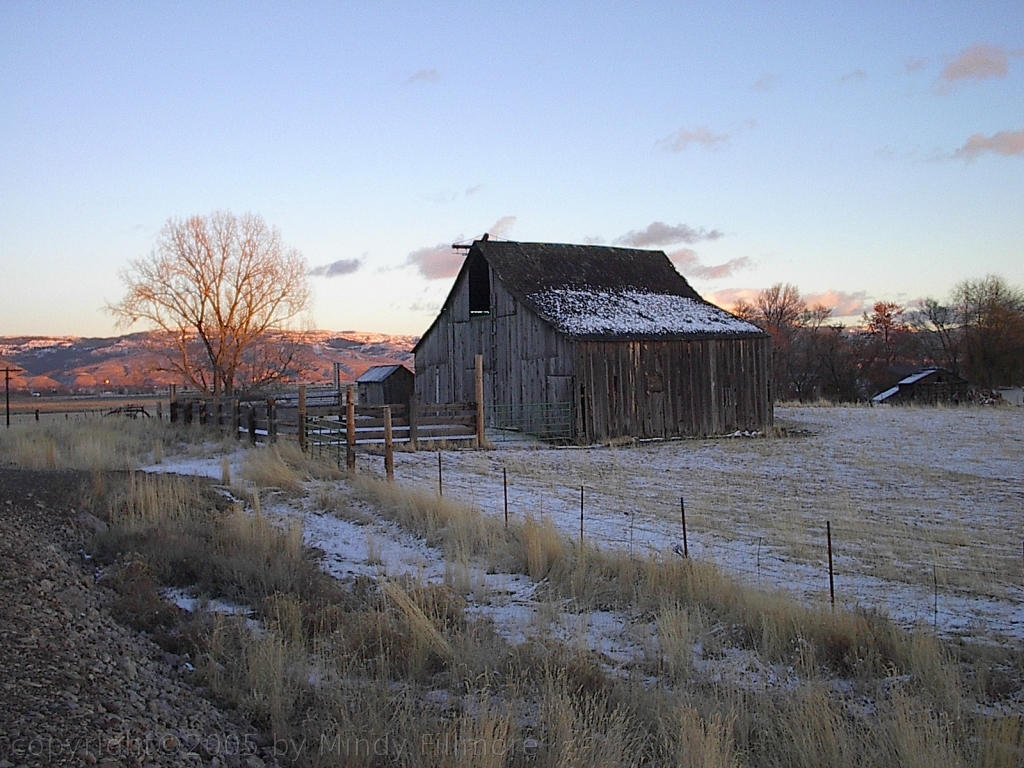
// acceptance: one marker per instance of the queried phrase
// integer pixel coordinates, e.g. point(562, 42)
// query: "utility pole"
point(7, 392)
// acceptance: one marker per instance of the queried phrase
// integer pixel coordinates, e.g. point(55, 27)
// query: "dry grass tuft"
point(265, 467)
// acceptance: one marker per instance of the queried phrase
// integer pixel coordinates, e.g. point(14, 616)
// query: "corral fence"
point(329, 423)
point(319, 419)
point(552, 422)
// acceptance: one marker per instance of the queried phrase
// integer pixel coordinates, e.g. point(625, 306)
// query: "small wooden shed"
point(926, 387)
point(385, 385)
point(617, 335)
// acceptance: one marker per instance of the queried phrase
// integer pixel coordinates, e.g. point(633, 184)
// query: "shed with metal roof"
point(928, 386)
point(385, 385)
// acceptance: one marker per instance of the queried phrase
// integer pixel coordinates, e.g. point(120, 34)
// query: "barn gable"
point(616, 334)
point(602, 293)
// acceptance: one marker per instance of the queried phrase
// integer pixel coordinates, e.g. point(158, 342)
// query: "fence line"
point(922, 585)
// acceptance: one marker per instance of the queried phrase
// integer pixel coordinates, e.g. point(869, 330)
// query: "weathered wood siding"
point(396, 388)
point(525, 359)
point(635, 388)
point(672, 388)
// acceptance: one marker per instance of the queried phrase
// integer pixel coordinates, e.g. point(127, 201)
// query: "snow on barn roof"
point(378, 373)
point(583, 312)
point(598, 291)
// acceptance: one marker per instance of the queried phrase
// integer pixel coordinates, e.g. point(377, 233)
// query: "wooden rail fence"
point(325, 428)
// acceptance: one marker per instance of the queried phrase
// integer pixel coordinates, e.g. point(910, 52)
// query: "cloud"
point(701, 135)
point(764, 84)
point(425, 307)
point(730, 297)
point(719, 271)
point(979, 62)
point(423, 76)
point(436, 261)
point(660, 233)
point(1006, 143)
point(336, 268)
point(915, 64)
point(440, 261)
point(502, 226)
point(855, 76)
point(842, 303)
point(688, 262)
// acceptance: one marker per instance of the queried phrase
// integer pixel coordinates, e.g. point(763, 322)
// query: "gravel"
point(76, 686)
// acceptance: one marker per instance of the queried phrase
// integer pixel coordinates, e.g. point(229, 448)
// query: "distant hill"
point(132, 363)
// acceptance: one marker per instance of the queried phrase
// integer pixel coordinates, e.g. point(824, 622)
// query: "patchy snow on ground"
point(925, 508)
point(925, 505)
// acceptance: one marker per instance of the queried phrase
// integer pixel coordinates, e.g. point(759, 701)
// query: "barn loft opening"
point(479, 286)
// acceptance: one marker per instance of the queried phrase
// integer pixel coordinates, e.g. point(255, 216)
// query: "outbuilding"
point(929, 386)
point(615, 336)
point(385, 385)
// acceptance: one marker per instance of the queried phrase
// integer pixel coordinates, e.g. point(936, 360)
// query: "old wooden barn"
point(616, 334)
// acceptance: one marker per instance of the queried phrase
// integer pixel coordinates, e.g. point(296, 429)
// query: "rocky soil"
point(77, 687)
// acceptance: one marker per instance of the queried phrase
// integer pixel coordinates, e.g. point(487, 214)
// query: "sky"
point(861, 151)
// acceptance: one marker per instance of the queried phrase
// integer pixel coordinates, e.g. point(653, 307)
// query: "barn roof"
point(378, 373)
point(601, 292)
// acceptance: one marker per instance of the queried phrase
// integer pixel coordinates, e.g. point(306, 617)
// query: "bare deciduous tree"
point(217, 285)
point(991, 314)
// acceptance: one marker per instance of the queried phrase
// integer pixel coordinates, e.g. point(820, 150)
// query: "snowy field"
point(926, 508)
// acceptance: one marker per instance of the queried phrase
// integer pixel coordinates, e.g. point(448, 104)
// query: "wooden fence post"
point(271, 421)
point(172, 398)
point(350, 427)
point(236, 418)
point(682, 514)
point(389, 445)
point(250, 420)
point(581, 517)
point(481, 436)
point(414, 415)
point(302, 417)
point(831, 577)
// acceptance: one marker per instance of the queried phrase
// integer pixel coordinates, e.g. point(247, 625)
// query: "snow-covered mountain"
point(135, 362)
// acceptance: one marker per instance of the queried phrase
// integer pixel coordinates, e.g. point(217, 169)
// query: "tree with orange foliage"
point(217, 285)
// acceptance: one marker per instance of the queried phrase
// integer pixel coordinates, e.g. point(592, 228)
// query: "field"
point(921, 502)
point(24, 409)
point(445, 636)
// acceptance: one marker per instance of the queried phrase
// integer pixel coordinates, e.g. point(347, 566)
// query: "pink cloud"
point(660, 233)
point(979, 62)
point(690, 265)
point(684, 137)
point(437, 261)
point(841, 303)
point(1005, 143)
point(730, 297)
